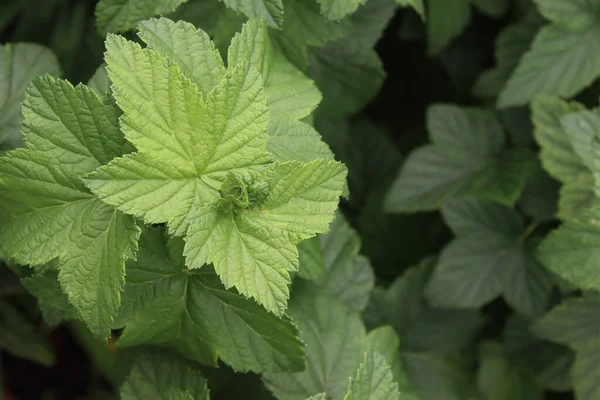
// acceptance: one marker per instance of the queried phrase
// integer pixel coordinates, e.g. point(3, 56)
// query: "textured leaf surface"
point(558, 63)
point(465, 158)
point(69, 132)
point(335, 341)
point(53, 303)
point(488, 258)
point(373, 380)
point(161, 375)
point(20, 337)
point(19, 64)
point(198, 317)
point(122, 15)
point(311, 265)
point(271, 11)
point(571, 251)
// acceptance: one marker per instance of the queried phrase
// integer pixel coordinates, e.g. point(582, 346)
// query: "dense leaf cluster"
point(245, 201)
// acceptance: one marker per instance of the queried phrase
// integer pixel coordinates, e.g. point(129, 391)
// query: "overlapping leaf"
point(271, 11)
point(373, 380)
point(122, 15)
point(188, 149)
point(489, 257)
point(466, 159)
point(168, 305)
point(69, 133)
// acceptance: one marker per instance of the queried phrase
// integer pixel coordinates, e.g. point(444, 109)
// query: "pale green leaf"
point(558, 64)
point(260, 249)
point(337, 9)
point(122, 15)
point(70, 132)
point(271, 11)
point(445, 23)
point(163, 376)
point(572, 251)
point(335, 341)
point(289, 92)
point(499, 379)
point(417, 5)
point(20, 337)
point(191, 48)
point(19, 64)
point(466, 158)
point(373, 380)
point(488, 258)
point(198, 317)
point(311, 264)
point(295, 140)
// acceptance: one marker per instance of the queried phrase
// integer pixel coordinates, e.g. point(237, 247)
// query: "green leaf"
point(19, 64)
point(198, 317)
point(586, 372)
point(161, 375)
point(321, 396)
point(69, 132)
point(571, 251)
point(191, 48)
point(498, 379)
point(466, 158)
point(370, 21)
point(386, 342)
point(99, 82)
point(559, 157)
point(337, 9)
point(289, 92)
point(122, 15)
point(558, 62)
point(489, 257)
point(348, 74)
point(295, 140)
point(373, 380)
point(271, 11)
point(493, 8)
point(335, 341)
point(19, 337)
point(417, 5)
point(511, 44)
point(445, 23)
point(176, 175)
point(53, 303)
point(311, 259)
point(539, 199)
point(348, 275)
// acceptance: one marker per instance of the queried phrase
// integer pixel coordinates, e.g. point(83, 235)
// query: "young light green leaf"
point(19, 64)
point(338, 9)
point(571, 251)
point(69, 132)
point(198, 317)
point(260, 249)
point(335, 340)
point(53, 303)
point(445, 23)
point(289, 92)
point(559, 157)
point(466, 158)
point(417, 5)
point(290, 139)
point(191, 48)
point(20, 337)
point(558, 63)
point(499, 379)
point(373, 380)
point(271, 11)
point(122, 15)
point(488, 258)
point(163, 376)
